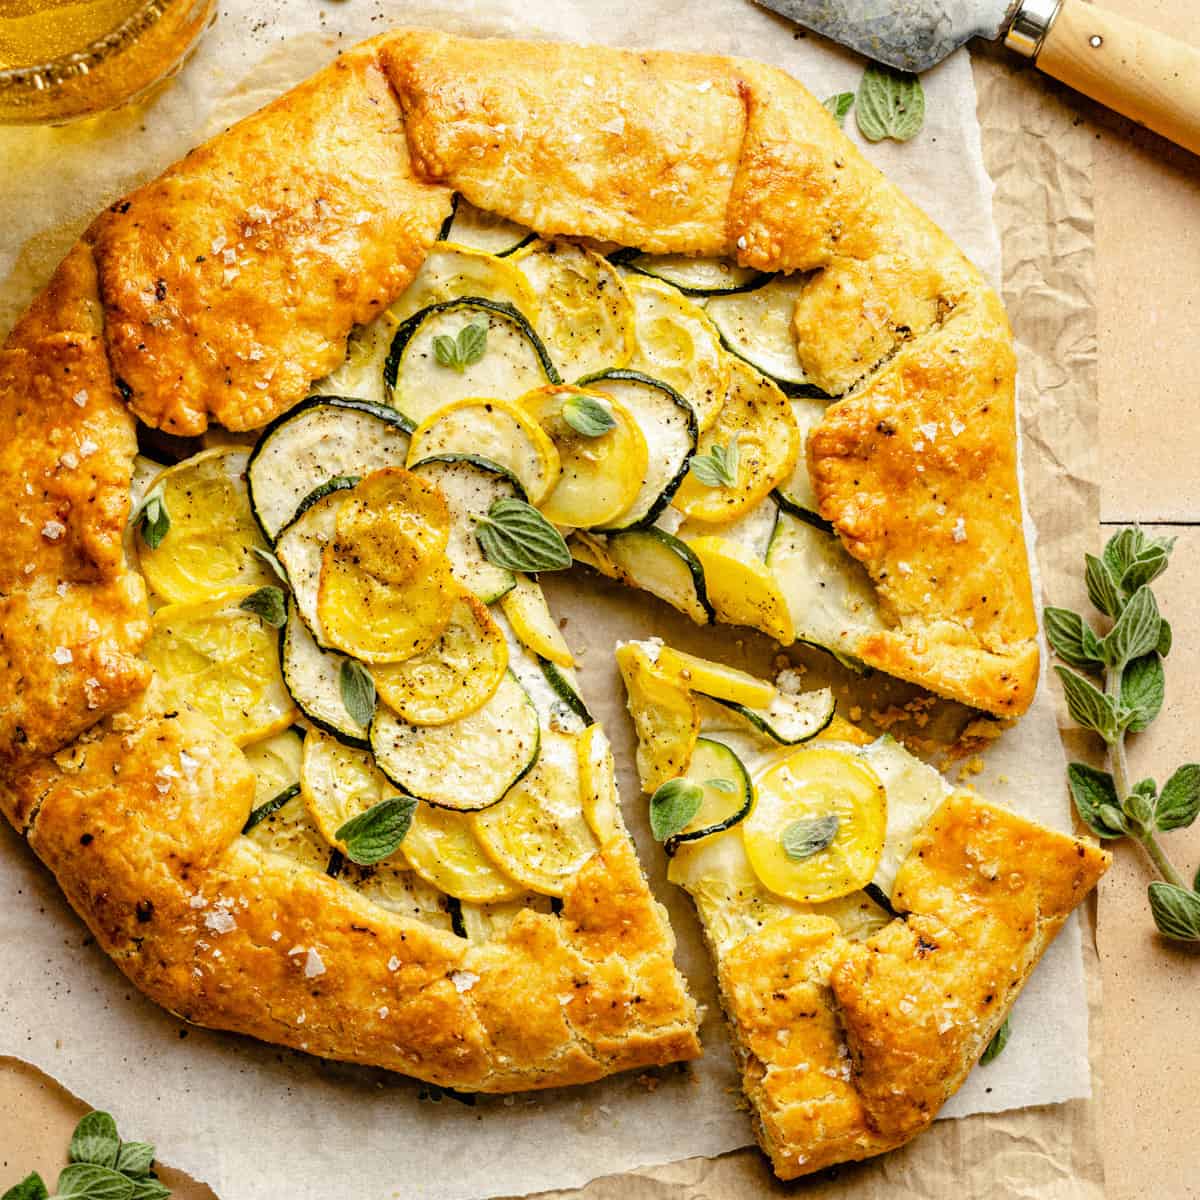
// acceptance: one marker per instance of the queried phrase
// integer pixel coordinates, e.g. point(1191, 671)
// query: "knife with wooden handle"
point(1150, 77)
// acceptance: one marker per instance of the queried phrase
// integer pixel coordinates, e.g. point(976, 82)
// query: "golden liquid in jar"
point(37, 31)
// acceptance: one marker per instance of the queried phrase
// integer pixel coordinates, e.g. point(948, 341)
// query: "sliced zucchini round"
point(758, 417)
point(322, 437)
point(669, 427)
point(697, 276)
point(338, 782)
point(757, 327)
point(514, 360)
point(209, 546)
point(818, 825)
point(727, 793)
point(275, 762)
point(741, 588)
point(538, 833)
point(458, 674)
point(313, 677)
point(287, 830)
point(795, 494)
point(261, 811)
point(470, 226)
point(467, 764)
point(666, 567)
point(471, 485)
point(677, 343)
point(500, 431)
point(600, 476)
point(360, 374)
point(530, 617)
point(788, 720)
point(222, 660)
point(562, 683)
point(829, 594)
point(584, 316)
point(452, 272)
point(442, 848)
point(716, 679)
point(300, 546)
point(665, 715)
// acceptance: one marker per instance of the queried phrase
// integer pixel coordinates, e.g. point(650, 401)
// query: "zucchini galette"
point(871, 926)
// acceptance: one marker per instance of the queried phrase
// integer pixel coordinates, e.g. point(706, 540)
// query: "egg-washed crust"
point(218, 292)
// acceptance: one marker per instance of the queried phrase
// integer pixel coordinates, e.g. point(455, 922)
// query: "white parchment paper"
point(257, 1122)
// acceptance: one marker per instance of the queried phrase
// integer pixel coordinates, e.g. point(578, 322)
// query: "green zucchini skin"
point(631, 263)
point(298, 696)
point(814, 519)
point(741, 779)
point(404, 334)
point(273, 805)
point(756, 719)
point(447, 229)
point(565, 692)
point(686, 554)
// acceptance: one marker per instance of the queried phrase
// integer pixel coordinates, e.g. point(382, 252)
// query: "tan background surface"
point(1147, 263)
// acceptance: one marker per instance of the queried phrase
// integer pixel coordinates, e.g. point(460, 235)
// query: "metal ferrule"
point(1031, 24)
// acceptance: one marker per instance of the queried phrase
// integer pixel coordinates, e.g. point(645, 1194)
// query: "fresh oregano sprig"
point(463, 350)
point(838, 105)
point(152, 520)
point(1127, 661)
point(102, 1167)
point(889, 104)
point(719, 467)
point(516, 537)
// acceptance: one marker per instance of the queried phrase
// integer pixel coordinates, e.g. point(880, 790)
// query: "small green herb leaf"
point(1142, 690)
point(1179, 803)
point(889, 104)
point(95, 1140)
point(1139, 810)
point(32, 1187)
point(1136, 630)
point(996, 1046)
point(377, 833)
point(1164, 638)
point(1087, 705)
point(1102, 587)
point(721, 785)
point(1176, 911)
point(267, 603)
point(153, 520)
point(1135, 559)
point(803, 839)
point(149, 1189)
point(1072, 639)
point(462, 351)
point(1094, 794)
point(838, 105)
point(87, 1181)
point(135, 1159)
point(272, 562)
point(587, 416)
point(358, 691)
point(516, 537)
point(672, 806)
point(719, 467)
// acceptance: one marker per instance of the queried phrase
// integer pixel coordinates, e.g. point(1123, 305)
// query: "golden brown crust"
point(231, 282)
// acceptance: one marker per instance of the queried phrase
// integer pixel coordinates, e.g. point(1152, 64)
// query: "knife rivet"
point(1095, 41)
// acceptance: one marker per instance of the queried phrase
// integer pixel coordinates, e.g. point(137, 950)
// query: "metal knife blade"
point(910, 35)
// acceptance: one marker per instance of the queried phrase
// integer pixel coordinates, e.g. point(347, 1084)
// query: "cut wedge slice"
point(223, 660)
point(442, 848)
point(466, 764)
point(538, 834)
point(665, 715)
point(663, 565)
point(472, 227)
point(209, 546)
point(500, 431)
point(601, 475)
point(715, 679)
point(530, 617)
point(458, 674)
point(741, 589)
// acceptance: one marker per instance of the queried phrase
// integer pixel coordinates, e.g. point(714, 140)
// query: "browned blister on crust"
point(638, 148)
point(231, 282)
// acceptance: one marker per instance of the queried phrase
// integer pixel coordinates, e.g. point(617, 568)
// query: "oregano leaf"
point(889, 104)
point(1072, 639)
point(267, 557)
point(1179, 803)
point(516, 537)
point(377, 833)
point(95, 1140)
point(267, 603)
point(588, 416)
point(719, 466)
point(1093, 791)
point(672, 806)
point(472, 343)
point(32, 1187)
point(838, 105)
point(153, 520)
point(150, 1189)
point(1136, 630)
point(1087, 705)
point(1164, 638)
point(1102, 587)
point(1176, 911)
point(358, 691)
point(135, 1159)
point(996, 1046)
point(802, 839)
point(1143, 687)
point(88, 1181)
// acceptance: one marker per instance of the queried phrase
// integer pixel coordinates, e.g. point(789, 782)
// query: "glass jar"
point(121, 48)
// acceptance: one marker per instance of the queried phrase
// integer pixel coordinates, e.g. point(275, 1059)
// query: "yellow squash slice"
point(455, 676)
point(538, 833)
point(584, 316)
point(665, 715)
point(676, 342)
point(275, 762)
point(598, 782)
point(716, 679)
point(741, 588)
point(338, 782)
point(224, 661)
point(498, 430)
point(289, 832)
point(442, 848)
point(817, 828)
point(758, 415)
point(209, 547)
point(528, 613)
point(451, 271)
point(393, 523)
point(600, 476)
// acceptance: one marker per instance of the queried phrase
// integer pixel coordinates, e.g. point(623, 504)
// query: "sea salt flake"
point(230, 256)
point(197, 902)
point(53, 530)
point(70, 460)
point(313, 966)
point(589, 81)
point(276, 936)
point(741, 242)
point(393, 963)
point(383, 1012)
point(220, 920)
point(218, 244)
point(956, 427)
point(80, 397)
point(62, 655)
point(904, 568)
point(463, 981)
point(960, 530)
point(790, 681)
point(256, 355)
point(706, 86)
point(930, 430)
point(577, 138)
point(87, 448)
